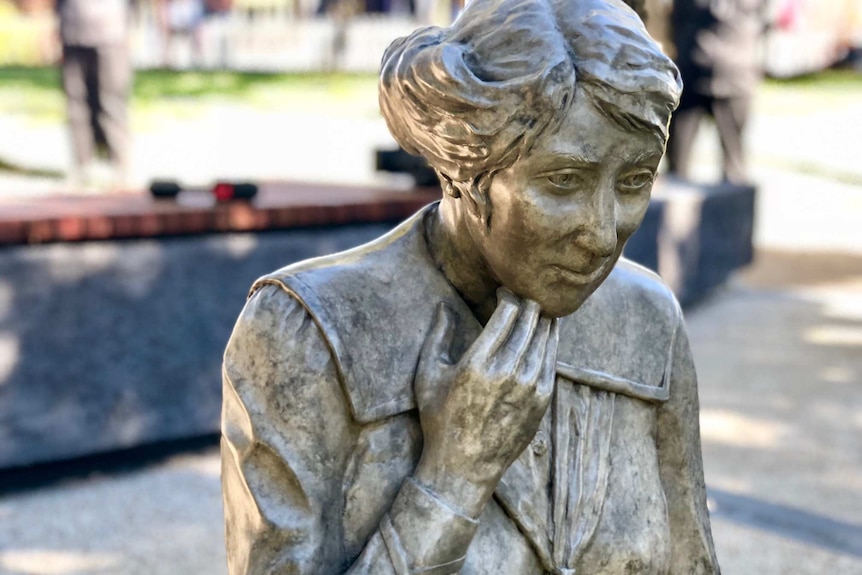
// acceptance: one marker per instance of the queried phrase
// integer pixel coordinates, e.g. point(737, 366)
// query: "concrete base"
point(695, 235)
point(107, 345)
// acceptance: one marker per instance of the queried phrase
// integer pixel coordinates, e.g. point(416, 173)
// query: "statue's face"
point(561, 215)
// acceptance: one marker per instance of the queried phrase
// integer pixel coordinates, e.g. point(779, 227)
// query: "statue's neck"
point(456, 255)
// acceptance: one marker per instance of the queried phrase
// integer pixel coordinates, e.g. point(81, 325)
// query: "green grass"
point(35, 93)
point(835, 79)
point(32, 93)
point(164, 94)
point(807, 94)
point(155, 84)
point(41, 78)
point(160, 97)
point(812, 168)
point(10, 168)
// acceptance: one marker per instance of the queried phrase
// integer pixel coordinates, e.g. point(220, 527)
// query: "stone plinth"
point(114, 311)
point(116, 342)
point(695, 236)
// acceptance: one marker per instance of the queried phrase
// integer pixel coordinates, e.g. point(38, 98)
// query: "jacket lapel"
point(524, 494)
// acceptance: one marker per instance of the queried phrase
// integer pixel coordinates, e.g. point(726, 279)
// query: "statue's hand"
point(480, 413)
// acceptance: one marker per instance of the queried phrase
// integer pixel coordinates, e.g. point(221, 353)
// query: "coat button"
point(540, 443)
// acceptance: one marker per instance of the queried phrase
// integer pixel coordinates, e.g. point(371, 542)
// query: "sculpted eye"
point(635, 182)
point(562, 179)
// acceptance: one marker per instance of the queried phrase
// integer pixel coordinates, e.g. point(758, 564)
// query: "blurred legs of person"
point(79, 77)
point(730, 116)
point(683, 131)
point(96, 81)
point(114, 84)
point(182, 19)
point(718, 54)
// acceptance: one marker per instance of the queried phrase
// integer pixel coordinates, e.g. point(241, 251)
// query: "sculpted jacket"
point(321, 432)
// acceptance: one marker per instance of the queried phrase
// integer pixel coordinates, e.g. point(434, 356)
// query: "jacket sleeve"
point(287, 436)
point(681, 467)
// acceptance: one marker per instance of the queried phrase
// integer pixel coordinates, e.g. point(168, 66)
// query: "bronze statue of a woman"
point(489, 388)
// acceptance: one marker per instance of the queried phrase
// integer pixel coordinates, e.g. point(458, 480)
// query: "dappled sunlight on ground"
point(167, 521)
point(844, 300)
point(745, 549)
point(208, 467)
point(53, 562)
point(839, 374)
point(834, 335)
point(731, 428)
point(779, 360)
point(778, 357)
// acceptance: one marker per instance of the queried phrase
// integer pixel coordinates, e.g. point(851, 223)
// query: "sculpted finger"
point(549, 367)
point(435, 351)
point(534, 358)
point(498, 328)
point(512, 355)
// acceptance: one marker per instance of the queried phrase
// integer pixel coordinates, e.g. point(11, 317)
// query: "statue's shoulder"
point(370, 265)
point(641, 291)
point(373, 305)
point(625, 330)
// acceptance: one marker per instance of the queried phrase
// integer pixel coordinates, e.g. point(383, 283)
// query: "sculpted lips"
point(583, 276)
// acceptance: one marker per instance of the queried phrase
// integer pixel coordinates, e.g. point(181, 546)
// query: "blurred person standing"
point(719, 55)
point(181, 19)
point(96, 79)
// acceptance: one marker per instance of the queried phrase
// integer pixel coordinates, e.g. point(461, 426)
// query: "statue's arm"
point(681, 464)
point(287, 434)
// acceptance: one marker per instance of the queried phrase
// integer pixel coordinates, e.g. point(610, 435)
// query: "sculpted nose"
point(599, 232)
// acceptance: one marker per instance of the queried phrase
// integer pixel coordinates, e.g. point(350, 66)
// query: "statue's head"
point(545, 121)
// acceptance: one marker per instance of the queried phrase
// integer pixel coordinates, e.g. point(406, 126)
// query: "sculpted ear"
point(476, 191)
point(449, 187)
point(480, 192)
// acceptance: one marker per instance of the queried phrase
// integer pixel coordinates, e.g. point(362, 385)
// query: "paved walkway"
point(779, 353)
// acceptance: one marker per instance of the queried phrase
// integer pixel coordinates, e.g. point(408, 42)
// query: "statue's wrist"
point(467, 495)
point(425, 534)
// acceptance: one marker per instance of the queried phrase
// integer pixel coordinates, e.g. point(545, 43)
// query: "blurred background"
point(262, 71)
point(115, 306)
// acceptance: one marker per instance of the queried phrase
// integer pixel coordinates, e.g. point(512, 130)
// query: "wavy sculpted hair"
point(472, 98)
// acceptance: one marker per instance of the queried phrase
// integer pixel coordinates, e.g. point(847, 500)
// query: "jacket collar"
point(375, 305)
